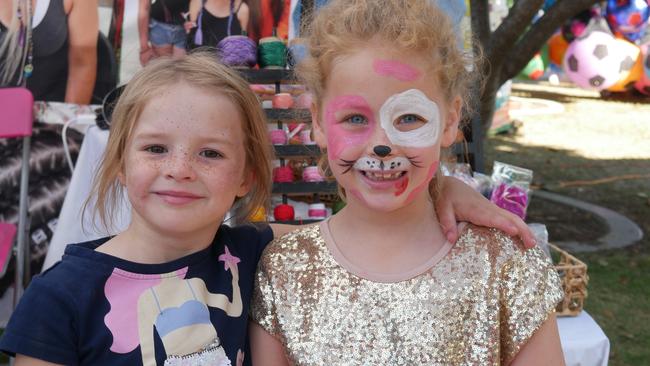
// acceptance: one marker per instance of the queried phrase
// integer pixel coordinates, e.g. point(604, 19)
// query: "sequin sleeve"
point(263, 309)
point(530, 290)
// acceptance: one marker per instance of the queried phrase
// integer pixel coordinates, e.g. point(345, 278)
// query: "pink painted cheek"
point(396, 69)
point(432, 171)
point(338, 138)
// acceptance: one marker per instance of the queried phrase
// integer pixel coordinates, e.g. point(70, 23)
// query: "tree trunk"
point(508, 49)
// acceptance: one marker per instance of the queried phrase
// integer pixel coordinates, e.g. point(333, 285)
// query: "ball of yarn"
point(237, 51)
point(283, 174)
point(272, 53)
point(317, 211)
point(282, 101)
point(278, 137)
point(311, 174)
point(283, 212)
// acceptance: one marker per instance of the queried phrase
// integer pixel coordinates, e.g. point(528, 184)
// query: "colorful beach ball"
point(534, 69)
point(628, 17)
point(643, 84)
point(592, 61)
point(630, 68)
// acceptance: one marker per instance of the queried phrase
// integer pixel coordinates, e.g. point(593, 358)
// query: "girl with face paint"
point(379, 282)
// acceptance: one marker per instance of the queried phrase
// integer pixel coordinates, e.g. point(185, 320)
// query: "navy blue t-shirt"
point(95, 309)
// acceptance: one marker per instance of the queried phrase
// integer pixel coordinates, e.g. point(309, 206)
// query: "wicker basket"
point(573, 274)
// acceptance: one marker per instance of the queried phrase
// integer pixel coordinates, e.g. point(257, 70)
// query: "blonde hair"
point(202, 70)
point(12, 53)
point(415, 26)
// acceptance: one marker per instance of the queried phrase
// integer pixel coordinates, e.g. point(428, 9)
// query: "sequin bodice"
point(477, 305)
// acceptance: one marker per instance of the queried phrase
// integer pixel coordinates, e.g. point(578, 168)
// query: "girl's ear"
point(316, 125)
point(246, 183)
point(452, 119)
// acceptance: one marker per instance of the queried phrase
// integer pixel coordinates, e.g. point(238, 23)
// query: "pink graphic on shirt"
point(396, 69)
point(228, 259)
point(338, 137)
point(122, 292)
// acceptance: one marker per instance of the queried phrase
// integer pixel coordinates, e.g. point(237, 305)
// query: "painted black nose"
point(381, 150)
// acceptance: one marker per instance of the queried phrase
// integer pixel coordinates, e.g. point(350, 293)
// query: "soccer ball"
point(592, 61)
point(631, 66)
point(643, 84)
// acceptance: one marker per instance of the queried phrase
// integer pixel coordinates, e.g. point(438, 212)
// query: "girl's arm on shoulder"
point(459, 202)
point(265, 349)
point(543, 348)
point(22, 360)
point(83, 30)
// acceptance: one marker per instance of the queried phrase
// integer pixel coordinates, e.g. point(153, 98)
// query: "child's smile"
point(383, 122)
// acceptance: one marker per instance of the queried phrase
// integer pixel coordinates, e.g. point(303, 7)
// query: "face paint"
point(411, 102)
point(425, 184)
point(371, 164)
point(338, 138)
point(396, 69)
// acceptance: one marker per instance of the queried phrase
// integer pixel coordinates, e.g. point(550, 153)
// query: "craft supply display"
point(301, 194)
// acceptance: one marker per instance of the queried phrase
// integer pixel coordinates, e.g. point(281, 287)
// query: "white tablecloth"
point(583, 342)
point(68, 229)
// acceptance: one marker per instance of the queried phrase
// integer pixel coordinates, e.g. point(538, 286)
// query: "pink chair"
point(16, 118)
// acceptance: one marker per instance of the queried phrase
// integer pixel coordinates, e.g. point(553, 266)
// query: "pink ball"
point(592, 61)
point(643, 83)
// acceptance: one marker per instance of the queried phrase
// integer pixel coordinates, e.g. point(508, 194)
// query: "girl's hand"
point(459, 202)
point(146, 55)
point(188, 25)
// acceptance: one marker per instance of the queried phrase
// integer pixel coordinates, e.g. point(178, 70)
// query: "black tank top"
point(50, 54)
point(169, 11)
point(215, 28)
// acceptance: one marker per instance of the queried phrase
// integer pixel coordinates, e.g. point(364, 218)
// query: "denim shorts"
point(163, 34)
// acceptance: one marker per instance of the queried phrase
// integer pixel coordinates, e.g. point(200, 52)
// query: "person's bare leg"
point(163, 51)
point(178, 52)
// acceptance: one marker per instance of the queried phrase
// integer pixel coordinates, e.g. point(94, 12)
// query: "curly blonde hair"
point(202, 70)
point(414, 26)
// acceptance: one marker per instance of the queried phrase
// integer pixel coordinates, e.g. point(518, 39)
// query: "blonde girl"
point(378, 283)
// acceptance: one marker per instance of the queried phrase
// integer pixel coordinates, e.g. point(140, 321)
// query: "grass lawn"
point(596, 151)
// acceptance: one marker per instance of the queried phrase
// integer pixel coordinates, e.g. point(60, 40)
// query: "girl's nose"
point(382, 150)
point(180, 167)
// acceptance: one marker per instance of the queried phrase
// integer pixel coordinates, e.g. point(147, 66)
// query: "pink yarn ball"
point(592, 61)
point(643, 83)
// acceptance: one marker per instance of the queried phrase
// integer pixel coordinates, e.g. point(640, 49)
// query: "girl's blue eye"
point(408, 122)
point(156, 149)
point(211, 154)
point(356, 119)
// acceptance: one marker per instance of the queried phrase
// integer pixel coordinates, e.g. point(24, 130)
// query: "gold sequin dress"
point(475, 303)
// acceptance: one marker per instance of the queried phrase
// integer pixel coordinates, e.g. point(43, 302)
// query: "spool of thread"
point(311, 174)
point(258, 215)
point(282, 101)
point(278, 136)
point(272, 53)
point(304, 101)
point(317, 211)
point(237, 51)
point(305, 137)
point(297, 52)
point(283, 174)
point(283, 212)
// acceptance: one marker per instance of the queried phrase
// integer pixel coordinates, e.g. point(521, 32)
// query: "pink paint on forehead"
point(338, 137)
point(396, 69)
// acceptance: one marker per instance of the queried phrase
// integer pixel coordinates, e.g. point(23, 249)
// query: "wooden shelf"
point(296, 150)
point(268, 76)
point(294, 114)
point(297, 222)
point(305, 187)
